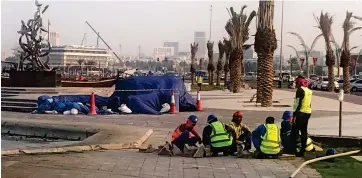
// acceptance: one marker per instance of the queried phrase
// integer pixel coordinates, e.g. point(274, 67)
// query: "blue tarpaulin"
point(147, 96)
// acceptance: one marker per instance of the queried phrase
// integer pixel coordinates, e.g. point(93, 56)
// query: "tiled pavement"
point(130, 163)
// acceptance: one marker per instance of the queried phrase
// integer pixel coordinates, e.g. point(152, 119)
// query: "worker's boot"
point(208, 151)
point(239, 151)
point(165, 150)
point(200, 152)
point(189, 151)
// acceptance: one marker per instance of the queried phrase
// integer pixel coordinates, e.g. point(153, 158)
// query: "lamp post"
point(340, 98)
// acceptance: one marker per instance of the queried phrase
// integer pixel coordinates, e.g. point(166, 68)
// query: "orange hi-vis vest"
point(177, 133)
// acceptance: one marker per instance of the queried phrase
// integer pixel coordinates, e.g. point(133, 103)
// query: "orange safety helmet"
point(238, 114)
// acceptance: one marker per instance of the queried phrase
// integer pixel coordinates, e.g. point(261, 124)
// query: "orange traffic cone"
point(173, 104)
point(198, 102)
point(92, 107)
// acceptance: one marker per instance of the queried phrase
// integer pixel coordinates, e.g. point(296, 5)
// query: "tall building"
point(250, 53)
point(172, 44)
point(162, 52)
point(200, 37)
point(70, 55)
point(54, 38)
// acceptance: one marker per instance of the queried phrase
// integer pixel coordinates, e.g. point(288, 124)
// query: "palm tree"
point(296, 53)
point(219, 62)
point(194, 47)
point(265, 45)
point(238, 29)
point(346, 53)
point(210, 65)
point(227, 46)
point(307, 50)
point(201, 62)
point(324, 23)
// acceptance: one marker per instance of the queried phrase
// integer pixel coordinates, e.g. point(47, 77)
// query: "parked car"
point(356, 86)
point(340, 82)
point(322, 83)
point(250, 76)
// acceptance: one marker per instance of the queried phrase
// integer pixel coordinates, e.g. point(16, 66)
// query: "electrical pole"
point(281, 41)
point(210, 20)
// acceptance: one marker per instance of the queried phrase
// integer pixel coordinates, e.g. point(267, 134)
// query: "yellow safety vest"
point(309, 146)
point(291, 79)
point(270, 143)
point(219, 136)
point(306, 103)
point(237, 129)
point(199, 79)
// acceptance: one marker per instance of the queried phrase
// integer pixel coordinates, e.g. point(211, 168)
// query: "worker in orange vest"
point(186, 134)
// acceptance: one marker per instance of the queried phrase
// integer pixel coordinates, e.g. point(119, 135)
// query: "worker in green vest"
point(216, 136)
point(266, 139)
point(302, 112)
point(291, 82)
point(309, 146)
point(199, 81)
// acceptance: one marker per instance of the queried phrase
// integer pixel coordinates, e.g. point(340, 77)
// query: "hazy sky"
point(150, 23)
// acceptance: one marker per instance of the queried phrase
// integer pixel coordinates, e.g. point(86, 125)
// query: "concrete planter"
point(33, 78)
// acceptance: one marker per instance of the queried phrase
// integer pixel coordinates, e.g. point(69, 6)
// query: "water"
point(16, 142)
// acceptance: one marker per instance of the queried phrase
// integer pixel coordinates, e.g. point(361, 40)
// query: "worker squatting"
point(236, 138)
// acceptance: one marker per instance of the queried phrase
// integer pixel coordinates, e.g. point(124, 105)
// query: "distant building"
point(200, 37)
point(70, 55)
point(250, 53)
point(54, 38)
point(162, 52)
point(3, 55)
point(172, 44)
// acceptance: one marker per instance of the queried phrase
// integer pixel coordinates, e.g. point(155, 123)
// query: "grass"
point(207, 87)
point(343, 167)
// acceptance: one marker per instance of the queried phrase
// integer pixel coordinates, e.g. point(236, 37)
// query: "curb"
point(112, 146)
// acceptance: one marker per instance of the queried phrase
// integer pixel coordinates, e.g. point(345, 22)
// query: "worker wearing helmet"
point(216, 136)
point(241, 133)
point(302, 111)
point(266, 139)
point(186, 134)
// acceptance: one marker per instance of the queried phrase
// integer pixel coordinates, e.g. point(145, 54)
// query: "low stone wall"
point(33, 78)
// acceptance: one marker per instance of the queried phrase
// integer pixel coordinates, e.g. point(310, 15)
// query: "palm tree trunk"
point(265, 66)
point(330, 63)
point(209, 73)
point(258, 80)
point(345, 58)
point(235, 74)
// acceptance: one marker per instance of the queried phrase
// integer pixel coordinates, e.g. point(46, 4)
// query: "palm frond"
point(353, 30)
point(357, 17)
point(354, 47)
point(306, 49)
point(314, 42)
point(295, 49)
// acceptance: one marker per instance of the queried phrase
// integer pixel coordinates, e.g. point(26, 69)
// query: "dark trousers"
point(245, 138)
point(185, 139)
point(301, 125)
point(199, 84)
point(216, 150)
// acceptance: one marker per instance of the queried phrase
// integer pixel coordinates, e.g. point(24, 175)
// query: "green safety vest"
point(219, 136)
point(199, 79)
point(309, 146)
point(306, 103)
point(270, 143)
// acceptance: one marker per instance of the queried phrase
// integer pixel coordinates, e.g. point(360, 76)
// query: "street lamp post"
point(340, 98)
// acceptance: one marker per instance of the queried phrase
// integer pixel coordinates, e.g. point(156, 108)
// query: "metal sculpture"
point(33, 43)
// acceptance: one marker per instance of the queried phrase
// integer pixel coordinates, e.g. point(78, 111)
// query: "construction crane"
point(84, 39)
point(97, 33)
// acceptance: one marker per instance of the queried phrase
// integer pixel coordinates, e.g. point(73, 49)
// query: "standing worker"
point(186, 134)
point(199, 81)
point(241, 133)
point(302, 112)
point(216, 136)
point(266, 139)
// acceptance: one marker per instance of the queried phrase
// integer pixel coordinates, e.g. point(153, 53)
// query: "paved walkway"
point(283, 101)
point(109, 164)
